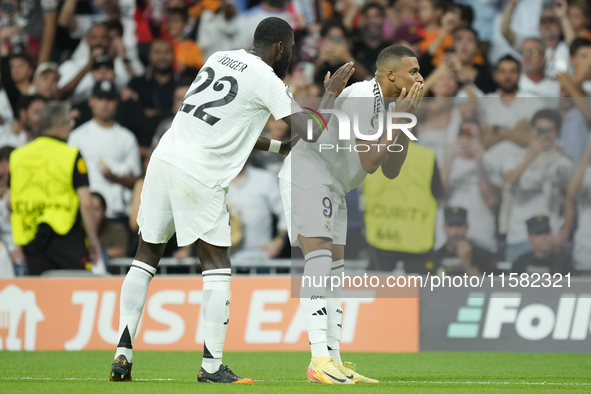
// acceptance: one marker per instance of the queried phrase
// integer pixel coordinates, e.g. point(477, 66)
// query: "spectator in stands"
point(437, 26)
point(12, 261)
point(333, 51)
point(218, 30)
point(576, 115)
point(113, 236)
point(40, 20)
point(460, 255)
point(477, 14)
point(579, 15)
point(130, 113)
point(248, 21)
point(368, 41)
point(255, 194)
point(533, 81)
point(505, 130)
point(539, 178)
point(469, 66)
point(186, 52)
point(467, 185)
point(544, 257)
point(400, 214)
point(111, 151)
point(580, 52)
point(26, 127)
point(79, 26)
point(99, 43)
point(553, 20)
point(155, 89)
point(22, 67)
point(580, 188)
point(52, 236)
point(408, 35)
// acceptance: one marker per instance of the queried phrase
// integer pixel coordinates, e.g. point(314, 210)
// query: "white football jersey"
point(222, 115)
point(310, 165)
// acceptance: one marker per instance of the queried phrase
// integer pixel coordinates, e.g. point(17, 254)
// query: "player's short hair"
point(508, 58)
point(51, 114)
point(577, 44)
point(272, 30)
point(550, 114)
point(394, 52)
point(101, 199)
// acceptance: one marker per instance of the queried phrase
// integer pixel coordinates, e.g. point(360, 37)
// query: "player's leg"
point(333, 303)
point(215, 312)
point(133, 298)
point(313, 302)
point(156, 225)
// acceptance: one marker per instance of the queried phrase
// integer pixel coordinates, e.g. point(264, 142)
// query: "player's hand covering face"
point(410, 102)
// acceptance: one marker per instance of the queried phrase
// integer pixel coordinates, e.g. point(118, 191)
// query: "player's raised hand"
point(338, 81)
point(410, 102)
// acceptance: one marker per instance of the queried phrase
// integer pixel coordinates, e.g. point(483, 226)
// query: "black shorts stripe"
point(338, 266)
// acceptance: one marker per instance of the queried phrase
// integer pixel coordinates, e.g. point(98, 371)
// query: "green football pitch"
point(275, 372)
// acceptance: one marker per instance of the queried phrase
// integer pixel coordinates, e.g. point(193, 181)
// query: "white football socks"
point(313, 301)
point(131, 305)
point(215, 312)
point(335, 312)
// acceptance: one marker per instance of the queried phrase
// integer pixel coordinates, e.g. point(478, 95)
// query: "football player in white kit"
point(188, 176)
point(314, 182)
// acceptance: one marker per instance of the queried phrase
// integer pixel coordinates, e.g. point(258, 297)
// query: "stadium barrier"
point(83, 313)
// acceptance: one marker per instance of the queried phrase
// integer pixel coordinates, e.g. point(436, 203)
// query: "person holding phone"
point(539, 179)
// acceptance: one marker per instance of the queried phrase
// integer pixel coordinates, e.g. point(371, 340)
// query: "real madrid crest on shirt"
point(327, 226)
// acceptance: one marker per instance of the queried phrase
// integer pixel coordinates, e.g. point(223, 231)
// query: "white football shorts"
point(173, 200)
point(317, 212)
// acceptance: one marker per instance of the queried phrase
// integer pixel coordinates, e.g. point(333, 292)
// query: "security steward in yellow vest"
point(400, 214)
point(50, 198)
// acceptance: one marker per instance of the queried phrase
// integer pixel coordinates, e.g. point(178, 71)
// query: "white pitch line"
point(468, 382)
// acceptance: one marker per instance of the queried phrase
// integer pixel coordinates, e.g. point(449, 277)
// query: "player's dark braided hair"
point(270, 31)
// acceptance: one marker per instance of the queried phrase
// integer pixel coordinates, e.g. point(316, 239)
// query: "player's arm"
point(377, 154)
point(283, 147)
point(333, 87)
point(81, 185)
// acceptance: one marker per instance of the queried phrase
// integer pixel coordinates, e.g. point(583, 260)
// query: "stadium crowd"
point(500, 172)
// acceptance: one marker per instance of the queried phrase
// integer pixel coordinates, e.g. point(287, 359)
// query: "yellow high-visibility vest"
point(42, 189)
point(400, 213)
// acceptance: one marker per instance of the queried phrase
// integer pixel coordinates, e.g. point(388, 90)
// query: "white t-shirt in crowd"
point(464, 191)
point(548, 90)
point(257, 199)
point(117, 147)
point(582, 249)
point(443, 139)
point(222, 116)
point(540, 190)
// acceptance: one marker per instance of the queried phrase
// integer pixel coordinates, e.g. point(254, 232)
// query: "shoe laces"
point(229, 371)
point(350, 365)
